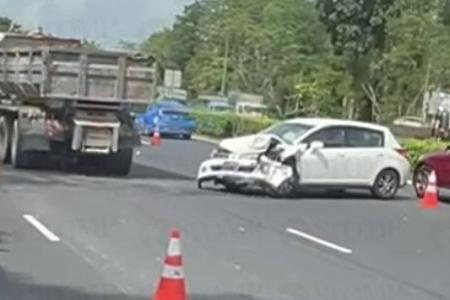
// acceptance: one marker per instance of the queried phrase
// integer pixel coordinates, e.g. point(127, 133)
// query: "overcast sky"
point(106, 21)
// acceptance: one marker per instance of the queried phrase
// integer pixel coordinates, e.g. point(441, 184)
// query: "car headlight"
point(220, 153)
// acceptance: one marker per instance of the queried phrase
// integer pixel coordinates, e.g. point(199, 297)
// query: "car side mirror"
point(316, 145)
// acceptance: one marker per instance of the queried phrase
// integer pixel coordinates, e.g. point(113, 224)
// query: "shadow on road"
point(139, 171)
point(44, 176)
point(313, 194)
point(15, 286)
point(3, 236)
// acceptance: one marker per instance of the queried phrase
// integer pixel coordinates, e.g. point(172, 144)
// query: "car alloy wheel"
point(386, 185)
point(420, 180)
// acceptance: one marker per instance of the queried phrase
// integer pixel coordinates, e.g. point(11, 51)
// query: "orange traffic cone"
point(430, 199)
point(156, 139)
point(172, 284)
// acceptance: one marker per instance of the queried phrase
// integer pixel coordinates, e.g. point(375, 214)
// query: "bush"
point(223, 125)
point(417, 148)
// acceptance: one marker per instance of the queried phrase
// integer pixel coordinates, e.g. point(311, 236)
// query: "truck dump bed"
point(41, 73)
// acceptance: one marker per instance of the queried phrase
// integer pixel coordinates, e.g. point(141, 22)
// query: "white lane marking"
point(41, 228)
point(319, 241)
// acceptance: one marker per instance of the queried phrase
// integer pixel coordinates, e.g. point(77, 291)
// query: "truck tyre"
point(119, 163)
point(19, 159)
point(5, 139)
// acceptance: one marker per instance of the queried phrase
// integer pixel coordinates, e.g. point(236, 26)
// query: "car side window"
point(364, 138)
point(333, 137)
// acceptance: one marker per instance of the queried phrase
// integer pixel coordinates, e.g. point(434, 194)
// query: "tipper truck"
point(61, 100)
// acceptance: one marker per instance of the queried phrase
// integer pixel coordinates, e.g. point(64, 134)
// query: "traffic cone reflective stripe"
point(173, 272)
point(430, 198)
point(172, 283)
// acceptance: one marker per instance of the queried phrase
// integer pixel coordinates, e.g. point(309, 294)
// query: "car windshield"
point(289, 132)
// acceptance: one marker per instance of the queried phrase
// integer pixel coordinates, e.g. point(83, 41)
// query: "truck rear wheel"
point(5, 139)
point(119, 163)
point(19, 158)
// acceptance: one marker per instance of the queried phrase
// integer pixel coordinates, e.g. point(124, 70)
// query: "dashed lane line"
point(319, 241)
point(41, 228)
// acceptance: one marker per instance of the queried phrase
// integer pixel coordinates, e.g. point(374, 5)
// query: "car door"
point(322, 166)
point(364, 149)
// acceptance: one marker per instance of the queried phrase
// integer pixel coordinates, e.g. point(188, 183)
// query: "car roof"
point(321, 122)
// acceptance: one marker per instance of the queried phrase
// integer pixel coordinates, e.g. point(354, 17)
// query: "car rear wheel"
point(420, 179)
point(386, 185)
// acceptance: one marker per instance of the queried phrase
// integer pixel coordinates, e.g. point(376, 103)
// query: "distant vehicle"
point(412, 127)
point(311, 153)
point(219, 106)
point(171, 117)
point(251, 109)
point(435, 122)
point(438, 162)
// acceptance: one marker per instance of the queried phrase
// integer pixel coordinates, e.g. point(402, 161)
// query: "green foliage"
point(256, 46)
point(364, 59)
point(6, 24)
point(356, 26)
point(222, 125)
point(418, 148)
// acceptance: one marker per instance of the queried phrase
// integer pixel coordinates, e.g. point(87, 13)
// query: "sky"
point(106, 21)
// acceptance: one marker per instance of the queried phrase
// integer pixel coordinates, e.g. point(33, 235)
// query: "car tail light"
point(403, 152)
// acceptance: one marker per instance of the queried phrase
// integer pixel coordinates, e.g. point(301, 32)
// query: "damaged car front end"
point(270, 167)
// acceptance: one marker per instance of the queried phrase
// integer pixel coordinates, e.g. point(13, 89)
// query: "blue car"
point(171, 117)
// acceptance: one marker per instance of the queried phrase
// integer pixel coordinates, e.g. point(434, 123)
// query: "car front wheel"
point(386, 185)
point(420, 179)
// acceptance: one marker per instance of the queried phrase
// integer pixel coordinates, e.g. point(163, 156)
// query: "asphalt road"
point(107, 237)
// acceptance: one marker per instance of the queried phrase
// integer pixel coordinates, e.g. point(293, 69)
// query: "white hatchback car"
point(339, 154)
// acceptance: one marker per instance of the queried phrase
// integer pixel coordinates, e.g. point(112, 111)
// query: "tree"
point(357, 30)
point(366, 59)
point(7, 24)
point(416, 59)
point(256, 46)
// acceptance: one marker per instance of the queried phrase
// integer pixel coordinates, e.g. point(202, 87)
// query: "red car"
point(438, 162)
